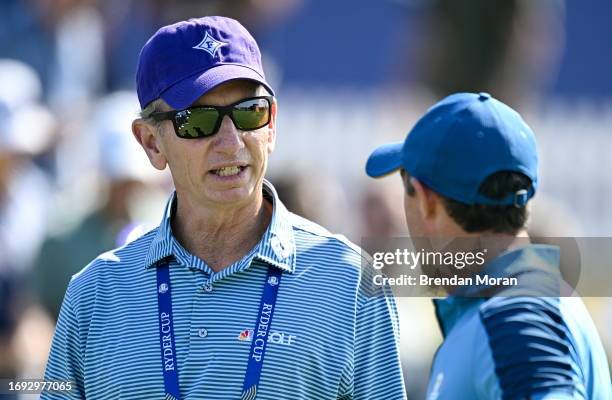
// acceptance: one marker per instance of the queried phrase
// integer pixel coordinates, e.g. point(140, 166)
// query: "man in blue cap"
point(469, 168)
point(231, 296)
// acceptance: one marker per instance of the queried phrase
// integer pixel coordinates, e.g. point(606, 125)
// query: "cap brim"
point(384, 160)
point(184, 93)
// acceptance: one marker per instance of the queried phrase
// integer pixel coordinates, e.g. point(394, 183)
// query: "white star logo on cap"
point(209, 44)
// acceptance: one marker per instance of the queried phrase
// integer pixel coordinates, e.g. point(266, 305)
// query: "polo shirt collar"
point(161, 246)
point(536, 267)
point(277, 246)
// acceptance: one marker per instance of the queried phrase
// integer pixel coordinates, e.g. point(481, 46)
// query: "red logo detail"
point(245, 335)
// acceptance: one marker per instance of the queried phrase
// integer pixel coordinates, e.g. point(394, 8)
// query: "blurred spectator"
point(127, 26)
point(26, 128)
point(125, 168)
point(79, 52)
point(381, 216)
point(9, 310)
point(26, 35)
point(510, 48)
point(318, 198)
point(288, 188)
point(62, 40)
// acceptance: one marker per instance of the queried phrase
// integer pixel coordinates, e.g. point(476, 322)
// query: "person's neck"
point(220, 236)
point(489, 245)
point(495, 244)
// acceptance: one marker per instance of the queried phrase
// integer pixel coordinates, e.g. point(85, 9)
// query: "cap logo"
point(209, 44)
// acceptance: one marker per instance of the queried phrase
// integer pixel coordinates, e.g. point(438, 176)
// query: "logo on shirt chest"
point(163, 288)
point(275, 337)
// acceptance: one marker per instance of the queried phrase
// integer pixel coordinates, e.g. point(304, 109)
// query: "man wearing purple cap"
point(469, 167)
point(231, 296)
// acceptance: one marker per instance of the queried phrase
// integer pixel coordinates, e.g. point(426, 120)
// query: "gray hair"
point(153, 107)
point(156, 105)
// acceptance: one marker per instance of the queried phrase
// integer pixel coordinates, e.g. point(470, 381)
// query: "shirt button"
point(208, 287)
point(202, 332)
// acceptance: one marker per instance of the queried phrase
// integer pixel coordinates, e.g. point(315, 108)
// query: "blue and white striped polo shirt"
point(329, 339)
point(518, 347)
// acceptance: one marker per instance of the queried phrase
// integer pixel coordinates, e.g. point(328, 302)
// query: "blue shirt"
point(518, 347)
point(329, 339)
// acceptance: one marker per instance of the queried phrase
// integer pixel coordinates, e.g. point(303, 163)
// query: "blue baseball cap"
point(182, 61)
point(458, 143)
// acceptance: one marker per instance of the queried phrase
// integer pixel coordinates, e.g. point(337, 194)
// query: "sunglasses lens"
point(251, 114)
point(197, 122)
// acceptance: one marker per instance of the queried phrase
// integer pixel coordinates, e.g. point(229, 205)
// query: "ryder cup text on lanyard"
point(258, 344)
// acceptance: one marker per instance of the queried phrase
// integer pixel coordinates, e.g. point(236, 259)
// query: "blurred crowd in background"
point(350, 74)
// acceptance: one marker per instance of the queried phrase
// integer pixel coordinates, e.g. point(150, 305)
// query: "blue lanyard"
point(258, 342)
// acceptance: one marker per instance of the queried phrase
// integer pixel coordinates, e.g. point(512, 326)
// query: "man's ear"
point(427, 201)
point(272, 127)
point(148, 138)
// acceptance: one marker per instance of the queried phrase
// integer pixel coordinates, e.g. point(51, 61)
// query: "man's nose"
point(229, 138)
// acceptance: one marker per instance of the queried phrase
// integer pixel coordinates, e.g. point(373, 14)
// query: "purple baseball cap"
point(182, 61)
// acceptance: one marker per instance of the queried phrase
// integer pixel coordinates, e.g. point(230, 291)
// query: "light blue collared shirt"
point(329, 339)
point(519, 347)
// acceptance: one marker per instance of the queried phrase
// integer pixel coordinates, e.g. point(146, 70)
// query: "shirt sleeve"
point(377, 372)
point(65, 359)
point(531, 351)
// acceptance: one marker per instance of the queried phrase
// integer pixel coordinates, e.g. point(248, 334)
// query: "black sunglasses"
point(202, 121)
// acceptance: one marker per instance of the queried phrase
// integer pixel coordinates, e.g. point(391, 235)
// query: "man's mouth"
point(229, 171)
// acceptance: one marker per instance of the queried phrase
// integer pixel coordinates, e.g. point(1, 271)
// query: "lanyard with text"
point(258, 343)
